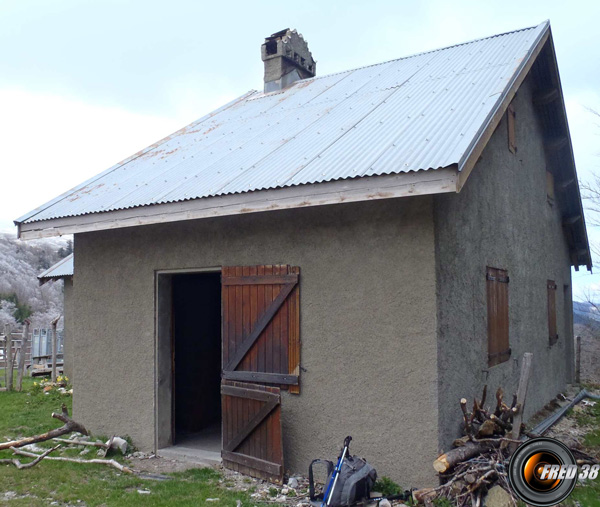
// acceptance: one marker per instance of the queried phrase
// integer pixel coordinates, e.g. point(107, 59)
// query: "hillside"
point(20, 293)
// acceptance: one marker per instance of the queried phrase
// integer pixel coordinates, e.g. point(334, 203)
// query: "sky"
point(85, 84)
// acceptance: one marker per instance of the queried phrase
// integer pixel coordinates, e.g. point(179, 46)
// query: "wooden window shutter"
point(510, 117)
point(552, 330)
point(497, 307)
point(261, 325)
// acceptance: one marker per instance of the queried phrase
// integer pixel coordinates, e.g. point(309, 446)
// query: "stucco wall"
point(368, 325)
point(501, 219)
point(68, 320)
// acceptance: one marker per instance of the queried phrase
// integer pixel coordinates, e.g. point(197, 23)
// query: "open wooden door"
point(252, 441)
point(261, 355)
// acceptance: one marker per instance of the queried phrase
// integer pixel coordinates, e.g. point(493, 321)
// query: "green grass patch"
point(387, 487)
point(587, 494)
point(29, 413)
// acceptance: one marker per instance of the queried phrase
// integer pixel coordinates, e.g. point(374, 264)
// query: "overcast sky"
point(84, 84)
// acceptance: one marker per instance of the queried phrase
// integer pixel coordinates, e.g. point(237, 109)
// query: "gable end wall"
point(501, 219)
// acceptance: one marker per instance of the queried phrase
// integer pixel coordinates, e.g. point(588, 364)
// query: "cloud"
point(52, 143)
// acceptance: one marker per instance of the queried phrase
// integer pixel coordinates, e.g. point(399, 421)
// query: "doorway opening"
point(196, 361)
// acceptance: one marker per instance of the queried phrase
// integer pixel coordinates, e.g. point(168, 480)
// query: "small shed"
point(63, 270)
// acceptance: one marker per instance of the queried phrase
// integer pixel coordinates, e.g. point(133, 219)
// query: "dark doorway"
point(197, 360)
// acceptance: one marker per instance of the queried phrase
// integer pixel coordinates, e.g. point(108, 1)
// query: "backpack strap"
point(311, 482)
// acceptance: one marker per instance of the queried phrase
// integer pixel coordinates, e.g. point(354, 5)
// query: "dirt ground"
point(293, 492)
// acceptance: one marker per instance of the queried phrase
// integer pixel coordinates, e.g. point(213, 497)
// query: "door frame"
point(163, 352)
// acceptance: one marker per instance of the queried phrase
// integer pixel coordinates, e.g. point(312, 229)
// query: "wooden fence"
point(39, 347)
point(16, 340)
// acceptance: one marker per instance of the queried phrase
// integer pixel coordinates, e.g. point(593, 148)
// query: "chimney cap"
point(287, 59)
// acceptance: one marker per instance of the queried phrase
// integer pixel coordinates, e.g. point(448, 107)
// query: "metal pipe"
point(547, 423)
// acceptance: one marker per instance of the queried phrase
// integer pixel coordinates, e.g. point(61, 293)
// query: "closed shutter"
point(510, 117)
point(261, 355)
point(497, 307)
point(552, 329)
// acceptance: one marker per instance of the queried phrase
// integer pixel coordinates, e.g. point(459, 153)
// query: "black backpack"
point(354, 484)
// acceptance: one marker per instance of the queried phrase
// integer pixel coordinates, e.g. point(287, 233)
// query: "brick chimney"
point(287, 59)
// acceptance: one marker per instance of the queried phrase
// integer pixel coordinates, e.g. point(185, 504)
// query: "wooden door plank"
point(243, 347)
point(251, 423)
point(294, 348)
point(273, 469)
point(255, 279)
point(257, 376)
point(276, 322)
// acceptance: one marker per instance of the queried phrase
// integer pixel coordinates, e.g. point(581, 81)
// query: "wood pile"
point(479, 459)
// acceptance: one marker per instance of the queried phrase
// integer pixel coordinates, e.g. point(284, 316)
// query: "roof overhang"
point(549, 101)
point(333, 192)
point(62, 270)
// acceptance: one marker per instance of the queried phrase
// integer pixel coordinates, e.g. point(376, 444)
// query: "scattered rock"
point(9, 495)
point(293, 482)
point(238, 503)
point(85, 451)
point(498, 497)
point(119, 444)
point(285, 491)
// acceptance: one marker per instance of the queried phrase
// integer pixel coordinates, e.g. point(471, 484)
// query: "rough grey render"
point(368, 325)
point(68, 352)
point(501, 219)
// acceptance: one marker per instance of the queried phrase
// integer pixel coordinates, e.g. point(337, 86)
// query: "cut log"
point(448, 460)
point(69, 427)
point(421, 495)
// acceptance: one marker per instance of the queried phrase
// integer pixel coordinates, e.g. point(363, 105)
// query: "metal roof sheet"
point(63, 268)
point(417, 113)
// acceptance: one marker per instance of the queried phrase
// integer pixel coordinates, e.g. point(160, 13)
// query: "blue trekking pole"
point(336, 473)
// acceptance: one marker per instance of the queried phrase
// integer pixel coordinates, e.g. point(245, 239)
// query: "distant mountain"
point(20, 293)
point(585, 313)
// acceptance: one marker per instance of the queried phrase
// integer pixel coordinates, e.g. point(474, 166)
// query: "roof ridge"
point(422, 53)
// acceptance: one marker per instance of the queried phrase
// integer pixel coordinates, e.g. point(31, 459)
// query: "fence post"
point(54, 347)
point(21, 366)
point(578, 361)
point(8, 358)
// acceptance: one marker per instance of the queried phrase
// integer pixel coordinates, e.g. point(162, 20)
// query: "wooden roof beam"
point(568, 221)
point(544, 97)
point(556, 143)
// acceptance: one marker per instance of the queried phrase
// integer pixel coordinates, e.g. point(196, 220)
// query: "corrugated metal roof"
point(417, 113)
point(63, 268)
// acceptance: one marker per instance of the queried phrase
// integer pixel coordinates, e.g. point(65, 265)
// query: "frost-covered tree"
point(20, 293)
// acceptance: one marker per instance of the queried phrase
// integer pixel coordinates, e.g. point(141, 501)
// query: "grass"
point(26, 414)
point(587, 494)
